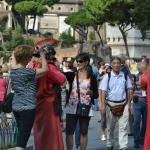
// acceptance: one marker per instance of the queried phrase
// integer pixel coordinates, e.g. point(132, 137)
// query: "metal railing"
point(8, 131)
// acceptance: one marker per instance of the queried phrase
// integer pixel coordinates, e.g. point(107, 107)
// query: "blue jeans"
point(96, 105)
point(139, 123)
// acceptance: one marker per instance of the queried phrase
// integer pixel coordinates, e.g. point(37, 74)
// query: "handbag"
point(7, 103)
point(82, 109)
point(117, 110)
point(57, 106)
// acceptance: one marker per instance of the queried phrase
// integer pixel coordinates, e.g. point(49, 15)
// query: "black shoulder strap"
point(125, 76)
point(78, 86)
point(109, 76)
point(136, 78)
point(126, 88)
point(68, 92)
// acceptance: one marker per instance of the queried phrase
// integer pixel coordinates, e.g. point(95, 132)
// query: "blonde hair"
point(23, 54)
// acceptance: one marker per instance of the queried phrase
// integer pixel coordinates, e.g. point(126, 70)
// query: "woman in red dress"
point(145, 82)
point(47, 128)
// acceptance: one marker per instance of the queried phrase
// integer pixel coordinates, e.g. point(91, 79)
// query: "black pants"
point(71, 122)
point(25, 120)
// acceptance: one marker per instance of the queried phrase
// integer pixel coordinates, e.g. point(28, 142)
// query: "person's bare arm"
point(102, 97)
point(130, 98)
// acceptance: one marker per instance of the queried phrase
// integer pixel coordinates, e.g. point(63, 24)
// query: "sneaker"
point(103, 138)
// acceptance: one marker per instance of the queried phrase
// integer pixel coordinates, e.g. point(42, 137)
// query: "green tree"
point(32, 7)
point(95, 13)
point(26, 8)
point(80, 22)
point(116, 12)
point(142, 16)
point(16, 38)
point(67, 39)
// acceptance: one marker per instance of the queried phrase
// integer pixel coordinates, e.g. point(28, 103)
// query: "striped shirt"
point(24, 87)
point(138, 91)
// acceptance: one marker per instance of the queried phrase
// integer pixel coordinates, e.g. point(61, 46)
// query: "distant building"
point(137, 46)
point(53, 20)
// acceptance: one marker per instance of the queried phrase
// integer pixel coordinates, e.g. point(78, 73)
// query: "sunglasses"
point(80, 61)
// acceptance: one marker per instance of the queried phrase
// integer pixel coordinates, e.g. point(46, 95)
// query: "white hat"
point(106, 65)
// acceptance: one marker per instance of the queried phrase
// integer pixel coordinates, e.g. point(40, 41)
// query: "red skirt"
point(47, 128)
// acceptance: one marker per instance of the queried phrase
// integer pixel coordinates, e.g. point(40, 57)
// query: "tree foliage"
point(67, 39)
point(43, 2)
point(21, 8)
point(115, 12)
point(125, 14)
point(142, 16)
point(30, 8)
point(80, 21)
point(15, 39)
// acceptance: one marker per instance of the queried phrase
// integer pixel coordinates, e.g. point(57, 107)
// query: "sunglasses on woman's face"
point(80, 61)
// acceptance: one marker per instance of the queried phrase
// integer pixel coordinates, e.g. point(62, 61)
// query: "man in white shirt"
point(116, 90)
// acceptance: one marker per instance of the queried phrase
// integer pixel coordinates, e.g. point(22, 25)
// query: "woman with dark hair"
point(47, 128)
point(84, 91)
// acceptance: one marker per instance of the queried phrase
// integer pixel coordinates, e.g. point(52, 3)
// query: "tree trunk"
point(87, 31)
point(99, 35)
point(125, 41)
point(1, 35)
point(34, 22)
point(23, 23)
point(81, 41)
point(26, 28)
point(14, 21)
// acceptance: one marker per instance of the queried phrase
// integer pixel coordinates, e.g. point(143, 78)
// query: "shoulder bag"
point(7, 102)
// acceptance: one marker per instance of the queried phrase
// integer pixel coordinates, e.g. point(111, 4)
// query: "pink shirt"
point(3, 85)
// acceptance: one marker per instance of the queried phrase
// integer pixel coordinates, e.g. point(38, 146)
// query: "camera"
point(48, 49)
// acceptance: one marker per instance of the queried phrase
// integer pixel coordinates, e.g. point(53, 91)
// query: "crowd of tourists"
point(119, 90)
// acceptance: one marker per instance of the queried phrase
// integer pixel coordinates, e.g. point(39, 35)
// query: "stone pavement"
point(94, 142)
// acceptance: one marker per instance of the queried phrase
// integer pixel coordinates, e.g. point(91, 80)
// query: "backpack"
point(125, 70)
point(125, 76)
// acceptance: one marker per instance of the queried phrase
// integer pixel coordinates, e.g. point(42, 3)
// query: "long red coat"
point(145, 81)
point(47, 128)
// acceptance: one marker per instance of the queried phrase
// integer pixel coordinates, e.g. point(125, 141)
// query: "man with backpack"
point(116, 95)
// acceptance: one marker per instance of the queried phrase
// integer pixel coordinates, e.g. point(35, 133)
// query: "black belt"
point(116, 101)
